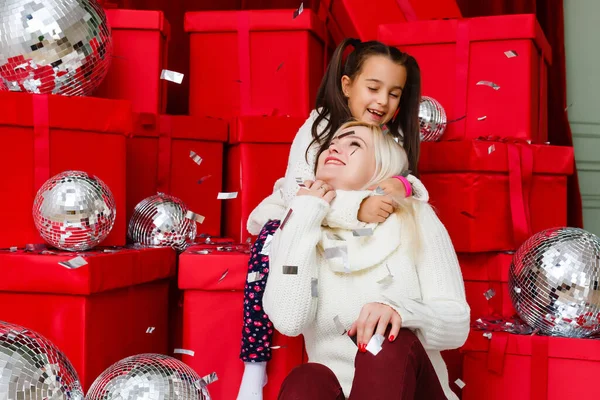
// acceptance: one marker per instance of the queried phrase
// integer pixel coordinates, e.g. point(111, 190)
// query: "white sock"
point(253, 380)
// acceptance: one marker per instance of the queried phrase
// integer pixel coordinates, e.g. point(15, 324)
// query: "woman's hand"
point(375, 209)
point(392, 187)
point(375, 318)
point(318, 189)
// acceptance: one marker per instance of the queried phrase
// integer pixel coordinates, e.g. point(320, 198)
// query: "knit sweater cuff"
point(344, 210)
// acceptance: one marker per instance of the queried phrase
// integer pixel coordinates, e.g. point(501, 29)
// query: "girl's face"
point(349, 162)
point(374, 95)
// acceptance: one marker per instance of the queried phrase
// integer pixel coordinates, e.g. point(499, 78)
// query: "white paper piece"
point(184, 351)
point(194, 217)
point(171, 76)
point(460, 383)
point(483, 118)
point(491, 149)
point(338, 325)
point(511, 54)
point(74, 263)
point(266, 249)
point(374, 346)
point(226, 195)
point(254, 277)
point(362, 232)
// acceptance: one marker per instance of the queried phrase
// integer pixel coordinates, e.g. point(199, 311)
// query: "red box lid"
point(138, 19)
point(40, 273)
point(575, 349)
point(485, 267)
point(256, 129)
point(72, 113)
point(501, 27)
point(486, 156)
point(256, 20)
point(180, 127)
point(215, 271)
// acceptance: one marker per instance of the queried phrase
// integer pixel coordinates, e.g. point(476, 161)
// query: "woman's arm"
point(288, 298)
point(441, 317)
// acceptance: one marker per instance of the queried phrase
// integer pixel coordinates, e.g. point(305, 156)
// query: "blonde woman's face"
point(349, 162)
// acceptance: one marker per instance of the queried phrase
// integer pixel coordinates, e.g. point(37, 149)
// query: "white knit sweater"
point(428, 295)
point(344, 210)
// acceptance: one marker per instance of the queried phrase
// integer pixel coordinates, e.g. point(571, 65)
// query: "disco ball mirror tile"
point(161, 220)
point(74, 211)
point(148, 377)
point(554, 282)
point(31, 367)
point(432, 119)
point(53, 46)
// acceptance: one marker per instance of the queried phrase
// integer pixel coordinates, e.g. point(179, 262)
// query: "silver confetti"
point(491, 149)
point(384, 129)
point(362, 232)
point(374, 345)
point(184, 351)
point(227, 195)
point(223, 276)
point(202, 252)
point(266, 249)
point(379, 191)
point(194, 217)
point(254, 277)
point(460, 383)
point(210, 378)
point(334, 252)
point(339, 326)
point(335, 236)
point(195, 157)
point(300, 182)
point(388, 279)
point(489, 294)
point(74, 263)
point(488, 83)
point(298, 11)
point(483, 118)
point(285, 220)
point(487, 335)
point(511, 54)
point(171, 76)
point(290, 270)
point(277, 347)
point(314, 287)
point(13, 249)
point(150, 329)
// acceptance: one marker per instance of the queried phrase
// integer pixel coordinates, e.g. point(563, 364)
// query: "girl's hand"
point(376, 209)
point(392, 187)
point(318, 189)
point(375, 318)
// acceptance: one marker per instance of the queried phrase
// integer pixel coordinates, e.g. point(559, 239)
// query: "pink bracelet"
point(407, 185)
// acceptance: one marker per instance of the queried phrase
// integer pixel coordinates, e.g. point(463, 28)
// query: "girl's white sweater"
point(428, 294)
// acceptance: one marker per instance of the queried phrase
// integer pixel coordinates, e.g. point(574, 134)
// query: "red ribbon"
point(407, 9)
point(163, 175)
point(520, 177)
point(41, 140)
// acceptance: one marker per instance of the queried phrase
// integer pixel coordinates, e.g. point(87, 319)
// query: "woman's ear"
point(346, 83)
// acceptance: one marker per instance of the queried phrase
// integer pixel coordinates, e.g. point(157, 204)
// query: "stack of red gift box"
point(495, 180)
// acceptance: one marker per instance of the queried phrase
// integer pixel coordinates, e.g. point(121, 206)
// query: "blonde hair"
point(391, 160)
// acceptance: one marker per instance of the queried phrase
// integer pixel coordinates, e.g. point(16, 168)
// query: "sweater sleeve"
point(441, 316)
point(288, 298)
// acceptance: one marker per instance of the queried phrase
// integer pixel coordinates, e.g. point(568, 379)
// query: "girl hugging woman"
point(376, 305)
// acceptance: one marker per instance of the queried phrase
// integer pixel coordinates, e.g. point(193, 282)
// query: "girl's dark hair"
point(332, 105)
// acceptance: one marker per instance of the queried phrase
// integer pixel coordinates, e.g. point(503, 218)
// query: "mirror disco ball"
point(554, 282)
point(161, 220)
point(432, 119)
point(53, 46)
point(74, 211)
point(31, 367)
point(148, 376)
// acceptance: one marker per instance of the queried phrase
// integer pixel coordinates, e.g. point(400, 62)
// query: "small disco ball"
point(31, 367)
point(554, 282)
point(149, 376)
point(74, 211)
point(432, 119)
point(53, 46)
point(162, 220)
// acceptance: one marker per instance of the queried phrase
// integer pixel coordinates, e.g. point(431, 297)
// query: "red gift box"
point(213, 286)
point(254, 62)
point(492, 196)
point(483, 272)
point(529, 367)
point(43, 135)
point(158, 160)
point(97, 314)
point(139, 56)
point(257, 156)
point(354, 18)
point(455, 55)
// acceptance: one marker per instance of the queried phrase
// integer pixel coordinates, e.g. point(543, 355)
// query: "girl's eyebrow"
point(343, 135)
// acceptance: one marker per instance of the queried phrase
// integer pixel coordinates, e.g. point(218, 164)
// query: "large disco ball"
point(432, 119)
point(148, 376)
point(53, 46)
point(162, 220)
point(554, 282)
point(31, 367)
point(74, 211)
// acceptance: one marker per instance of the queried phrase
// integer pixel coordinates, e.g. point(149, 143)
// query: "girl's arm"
point(288, 297)
point(441, 317)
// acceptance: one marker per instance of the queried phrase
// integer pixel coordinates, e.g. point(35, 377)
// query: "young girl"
point(377, 84)
point(324, 281)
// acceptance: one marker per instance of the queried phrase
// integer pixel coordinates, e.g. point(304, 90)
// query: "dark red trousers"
point(401, 371)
